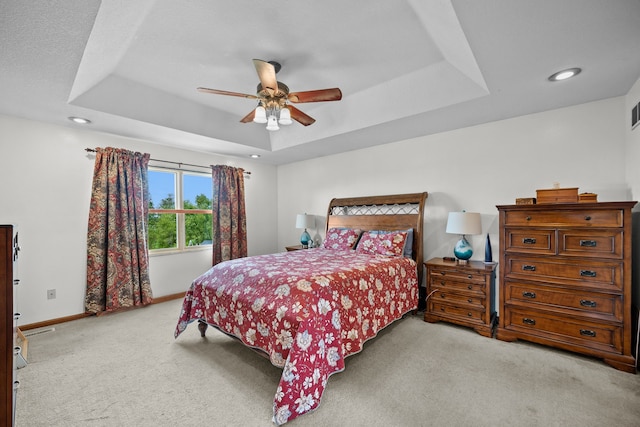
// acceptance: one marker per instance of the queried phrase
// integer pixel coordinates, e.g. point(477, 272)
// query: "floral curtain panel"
point(228, 214)
point(117, 251)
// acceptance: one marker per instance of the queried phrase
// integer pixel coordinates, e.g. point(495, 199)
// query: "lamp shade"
point(464, 223)
point(305, 221)
point(260, 115)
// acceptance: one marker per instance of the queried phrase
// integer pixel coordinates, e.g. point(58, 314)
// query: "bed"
point(307, 310)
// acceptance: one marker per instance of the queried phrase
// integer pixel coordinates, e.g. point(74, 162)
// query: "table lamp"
point(305, 221)
point(463, 223)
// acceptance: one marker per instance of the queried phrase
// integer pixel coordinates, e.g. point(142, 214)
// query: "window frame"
point(180, 212)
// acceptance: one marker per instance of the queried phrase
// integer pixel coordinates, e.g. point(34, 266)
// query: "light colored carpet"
point(126, 369)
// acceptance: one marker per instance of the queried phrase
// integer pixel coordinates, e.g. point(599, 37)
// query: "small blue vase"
point(462, 249)
point(304, 239)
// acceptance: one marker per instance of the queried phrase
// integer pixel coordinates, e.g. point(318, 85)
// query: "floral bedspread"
point(306, 309)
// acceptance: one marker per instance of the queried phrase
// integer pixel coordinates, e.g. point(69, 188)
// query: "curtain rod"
point(180, 164)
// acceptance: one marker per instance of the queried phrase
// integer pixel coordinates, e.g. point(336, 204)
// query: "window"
point(179, 210)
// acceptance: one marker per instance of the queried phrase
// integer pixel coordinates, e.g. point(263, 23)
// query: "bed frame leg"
point(202, 327)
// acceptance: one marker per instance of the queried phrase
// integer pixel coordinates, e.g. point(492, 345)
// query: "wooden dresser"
point(8, 379)
point(461, 294)
point(565, 278)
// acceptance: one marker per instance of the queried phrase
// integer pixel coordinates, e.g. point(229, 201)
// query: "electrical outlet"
point(51, 294)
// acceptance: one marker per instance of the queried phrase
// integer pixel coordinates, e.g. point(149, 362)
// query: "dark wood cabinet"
point(8, 379)
point(565, 278)
point(461, 294)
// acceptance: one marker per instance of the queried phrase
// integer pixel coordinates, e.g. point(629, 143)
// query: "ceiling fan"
point(274, 98)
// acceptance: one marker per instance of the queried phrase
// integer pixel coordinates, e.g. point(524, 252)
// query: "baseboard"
point(46, 323)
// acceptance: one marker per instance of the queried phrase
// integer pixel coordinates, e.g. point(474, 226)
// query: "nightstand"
point(293, 248)
point(462, 294)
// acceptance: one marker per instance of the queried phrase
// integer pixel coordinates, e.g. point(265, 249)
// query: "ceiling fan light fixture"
point(285, 117)
point(272, 123)
point(564, 74)
point(261, 115)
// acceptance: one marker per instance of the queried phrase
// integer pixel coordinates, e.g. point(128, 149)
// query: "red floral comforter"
point(306, 309)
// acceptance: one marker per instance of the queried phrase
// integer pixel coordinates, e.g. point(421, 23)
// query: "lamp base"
point(304, 239)
point(463, 250)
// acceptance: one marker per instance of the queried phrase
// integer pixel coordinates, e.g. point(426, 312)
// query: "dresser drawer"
point(466, 313)
point(591, 243)
point(606, 276)
point(573, 218)
point(603, 306)
point(570, 330)
point(534, 241)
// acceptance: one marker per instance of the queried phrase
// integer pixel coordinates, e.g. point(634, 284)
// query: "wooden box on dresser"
point(565, 278)
point(462, 294)
point(8, 379)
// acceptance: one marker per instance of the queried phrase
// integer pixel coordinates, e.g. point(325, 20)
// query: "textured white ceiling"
point(406, 67)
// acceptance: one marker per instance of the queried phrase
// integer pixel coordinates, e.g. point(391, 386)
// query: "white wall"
point(474, 169)
point(45, 184)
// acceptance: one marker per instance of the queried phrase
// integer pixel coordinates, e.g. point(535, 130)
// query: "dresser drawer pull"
point(470, 314)
point(587, 218)
point(587, 333)
point(469, 276)
point(528, 321)
point(469, 287)
point(587, 273)
point(529, 241)
point(528, 218)
point(529, 294)
point(442, 295)
point(442, 283)
point(470, 301)
point(588, 243)
point(529, 268)
point(587, 303)
point(442, 273)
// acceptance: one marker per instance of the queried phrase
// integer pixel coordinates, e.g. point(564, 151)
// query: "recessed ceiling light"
point(255, 156)
point(564, 74)
point(79, 120)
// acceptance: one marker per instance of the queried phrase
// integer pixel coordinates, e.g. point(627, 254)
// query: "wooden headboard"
point(393, 212)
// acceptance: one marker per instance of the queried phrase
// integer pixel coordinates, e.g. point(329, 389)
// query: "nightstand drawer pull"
point(529, 268)
point(587, 273)
point(588, 243)
point(529, 294)
point(442, 273)
point(587, 333)
point(587, 303)
point(470, 301)
point(470, 314)
point(529, 241)
point(442, 295)
point(528, 321)
point(469, 287)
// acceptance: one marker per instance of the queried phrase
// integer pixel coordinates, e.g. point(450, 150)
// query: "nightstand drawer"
point(438, 282)
point(459, 299)
point(570, 330)
point(442, 309)
point(603, 306)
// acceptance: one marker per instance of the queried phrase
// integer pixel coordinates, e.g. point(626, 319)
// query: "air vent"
point(635, 115)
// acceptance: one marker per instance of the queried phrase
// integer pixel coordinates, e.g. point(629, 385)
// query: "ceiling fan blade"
point(333, 94)
point(224, 92)
point(300, 117)
point(267, 74)
point(249, 117)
